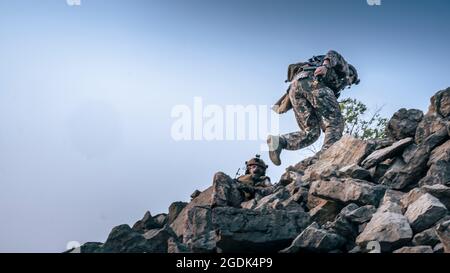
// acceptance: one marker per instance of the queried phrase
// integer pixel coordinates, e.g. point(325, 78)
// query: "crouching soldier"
point(255, 181)
point(253, 184)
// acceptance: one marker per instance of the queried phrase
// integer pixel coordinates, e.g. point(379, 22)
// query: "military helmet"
point(256, 161)
point(353, 74)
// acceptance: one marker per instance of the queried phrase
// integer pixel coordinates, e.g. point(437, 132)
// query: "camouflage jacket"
point(336, 78)
point(263, 181)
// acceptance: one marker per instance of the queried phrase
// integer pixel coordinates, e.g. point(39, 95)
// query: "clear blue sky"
point(86, 94)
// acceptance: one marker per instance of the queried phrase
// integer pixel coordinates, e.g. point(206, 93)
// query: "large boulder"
point(427, 237)
point(146, 223)
point(123, 239)
point(347, 151)
point(326, 211)
point(174, 210)
point(228, 229)
point(410, 175)
point(443, 233)
point(348, 191)
point(315, 239)
point(439, 166)
point(404, 123)
point(382, 154)
point(424, 212)
point(436, 117)
point(390, 230)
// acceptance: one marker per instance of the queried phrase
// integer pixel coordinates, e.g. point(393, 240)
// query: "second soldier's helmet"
point(255, 161)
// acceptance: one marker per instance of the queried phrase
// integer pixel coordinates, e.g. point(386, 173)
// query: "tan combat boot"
point(276, 145)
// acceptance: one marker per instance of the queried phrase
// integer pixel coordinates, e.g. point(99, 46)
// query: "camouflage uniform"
point(315, 103)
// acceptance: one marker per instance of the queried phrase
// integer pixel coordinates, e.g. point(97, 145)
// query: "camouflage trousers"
point(315, 107)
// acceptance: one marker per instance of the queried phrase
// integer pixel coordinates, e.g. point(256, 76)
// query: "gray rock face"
point(315, 239)
point(390, 230)
point(436, 117)
point(438, 172)
point(325, 211)
point(360, 215)
point(175, 209)
point(146, 223)
point(413, 171)
point(427, 237)
point(424, 212)
point(356, 172)
point(404, 123)
point(348, 191)
point(443, 233)
point(380, 155)
point(347, 151)
point(125, 240)
point(228, 229)
point(439, 191)
point(391, 202)
point(388, 195)
point(414, 249)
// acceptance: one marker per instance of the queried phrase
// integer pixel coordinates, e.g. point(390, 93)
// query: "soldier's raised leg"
point(327, 109)
point(308, 122)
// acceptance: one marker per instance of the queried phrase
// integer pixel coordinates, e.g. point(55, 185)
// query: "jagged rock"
point(160, 219)
point(408, 152)
point(204, 199)
point(348, 191)
point(439, 191)
point(267, 202)
point(195, 194)
point(424, 212)
point(89, 247)
point(359, 215)
point(343, 227)
point(439, 248)
point(174, 210)
point(382, 154)
point(443, 233)
point(250, 204)
point(414, 170)
point(404, 123)
point(347, 151)
point(325, 211)
point(378, 171)
point(228, 229)
point(290, 177)
point(315, 239)
point(123, 239)
point(173, 246)
point(436, 117)
point(294, 202)
point(391, 202)
point(303, 165)
point(356, 172)
point(146, 223)
point(414, 249)
point(356, 249)
point(390, 230)
point(427, 237)
point(439, 170)
point(440, 103)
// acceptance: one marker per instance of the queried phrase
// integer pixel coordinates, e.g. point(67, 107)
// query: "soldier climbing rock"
point(312, 94)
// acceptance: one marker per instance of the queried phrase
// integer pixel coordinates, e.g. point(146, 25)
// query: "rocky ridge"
point(381, 195)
